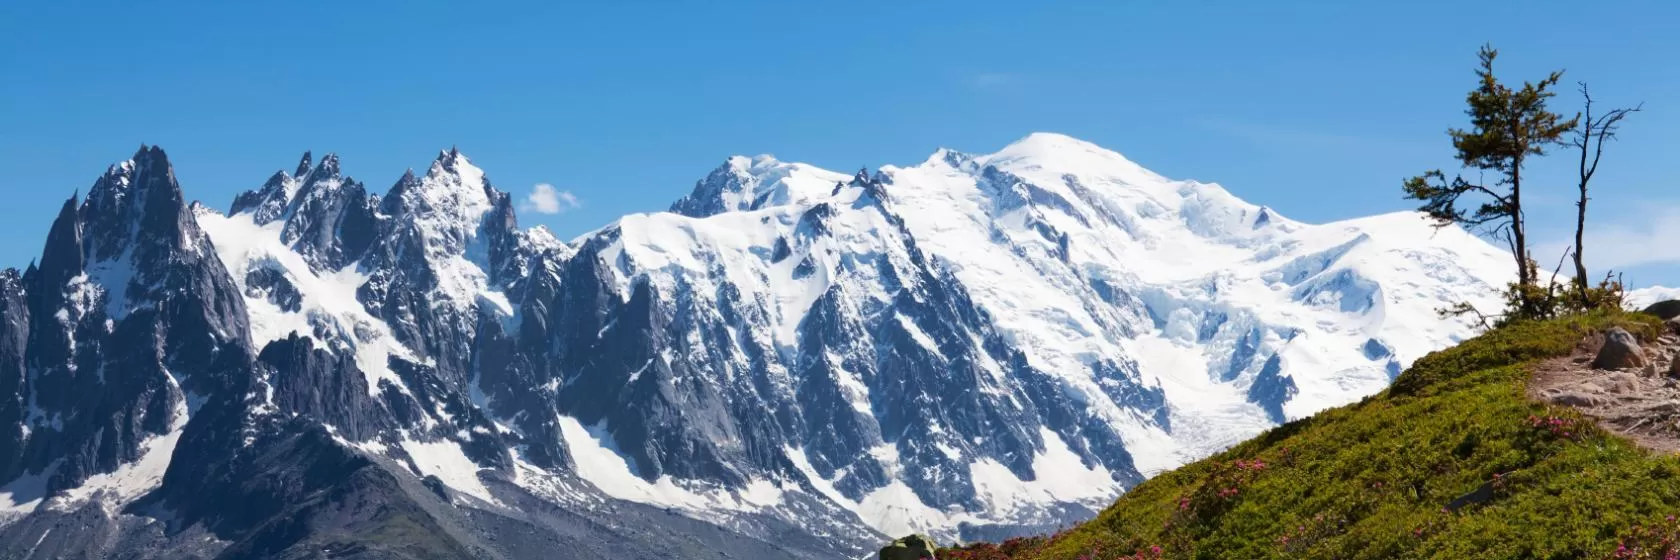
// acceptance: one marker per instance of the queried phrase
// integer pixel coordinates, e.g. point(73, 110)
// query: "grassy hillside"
point(1451, 462)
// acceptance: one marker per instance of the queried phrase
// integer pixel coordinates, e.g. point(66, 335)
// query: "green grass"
point(1374, 479)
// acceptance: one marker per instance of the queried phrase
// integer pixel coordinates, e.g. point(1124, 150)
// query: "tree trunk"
point(1581, 205)
point(1580, 228)
point(1519, 238)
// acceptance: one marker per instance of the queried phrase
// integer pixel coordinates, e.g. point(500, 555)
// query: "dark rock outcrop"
point(1664, 310)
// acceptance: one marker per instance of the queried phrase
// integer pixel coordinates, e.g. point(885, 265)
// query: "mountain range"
point(790, 362)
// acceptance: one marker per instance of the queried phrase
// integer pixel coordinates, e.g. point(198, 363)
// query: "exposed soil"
point(1641, 404)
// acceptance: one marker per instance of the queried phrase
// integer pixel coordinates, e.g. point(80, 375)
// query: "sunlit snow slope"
point(1644, 297)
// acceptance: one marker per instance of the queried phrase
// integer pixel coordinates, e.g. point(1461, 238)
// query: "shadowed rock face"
point(128, 322)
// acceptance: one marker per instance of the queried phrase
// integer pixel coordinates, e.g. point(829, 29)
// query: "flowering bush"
point(1006, 550)
point(1660, 541)
point(1030, 546)
point(1225, 483)
point(1300, 538)
point(1559, 427)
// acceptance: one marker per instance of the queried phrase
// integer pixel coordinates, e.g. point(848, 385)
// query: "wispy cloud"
point(1614, 243)
point(545, 199)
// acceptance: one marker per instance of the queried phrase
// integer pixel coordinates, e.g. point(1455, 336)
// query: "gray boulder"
point(913, 547)
point(1620, 351)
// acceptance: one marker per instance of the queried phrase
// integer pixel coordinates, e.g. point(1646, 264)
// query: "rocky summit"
point(789, 363)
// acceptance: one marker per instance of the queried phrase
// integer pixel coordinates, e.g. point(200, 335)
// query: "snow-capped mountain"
point(790, 362)
point(1644, 297)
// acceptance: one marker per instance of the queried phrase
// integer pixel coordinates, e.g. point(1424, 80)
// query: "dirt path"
point(1641, 404)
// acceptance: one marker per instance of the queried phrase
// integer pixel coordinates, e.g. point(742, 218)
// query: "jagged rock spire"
point(303, 164)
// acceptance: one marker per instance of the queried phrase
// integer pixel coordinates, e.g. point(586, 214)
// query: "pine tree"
point(1507, 127)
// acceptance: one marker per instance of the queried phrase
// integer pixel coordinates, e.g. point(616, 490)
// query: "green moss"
point(1448, 463)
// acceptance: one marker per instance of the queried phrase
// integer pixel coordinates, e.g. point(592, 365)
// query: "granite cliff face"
point(121, 333)
point(790, 363)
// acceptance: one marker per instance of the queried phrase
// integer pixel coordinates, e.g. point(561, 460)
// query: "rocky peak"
point(279, 197)
point(408, 181)
point(723, 189)
point(328, 168)
point(447, 238)
point(303, 164)
point(129, 312)
point(133, 196)
point(444, 211)
point(744, 183)
point(62, 258)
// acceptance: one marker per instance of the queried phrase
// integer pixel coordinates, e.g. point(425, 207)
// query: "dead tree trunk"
point(1589, 138)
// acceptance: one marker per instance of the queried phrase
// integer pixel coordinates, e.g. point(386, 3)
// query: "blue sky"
point(1318, 109)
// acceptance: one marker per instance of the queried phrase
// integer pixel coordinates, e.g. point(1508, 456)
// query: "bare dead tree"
point(1590, 136)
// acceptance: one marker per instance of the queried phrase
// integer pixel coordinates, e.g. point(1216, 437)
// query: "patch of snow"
point(894, 509)
point(603, 467)
point(446, 460)
point(761, 494)
point(370, 447)
point(599, 464)
point(920, 336)
point(550, 486)
point(1058, 478)
point(114, 277)
point(950, 452)
point(22, 495)
point(129, 481)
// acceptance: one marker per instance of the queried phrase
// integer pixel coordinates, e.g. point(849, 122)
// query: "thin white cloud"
point(545, 199)
point(1621, 242)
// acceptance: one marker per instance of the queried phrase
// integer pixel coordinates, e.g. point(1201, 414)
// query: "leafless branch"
point(1465, 308)
point(1567, 251)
